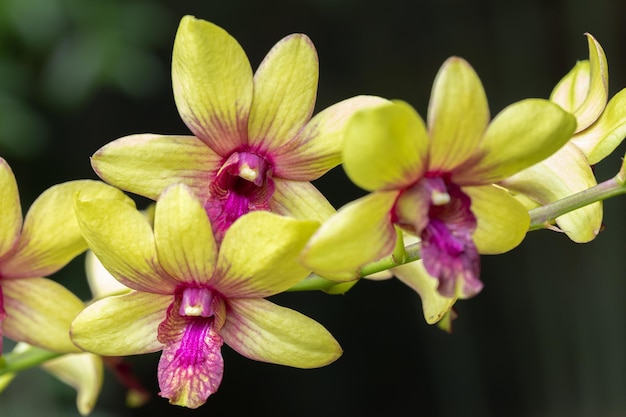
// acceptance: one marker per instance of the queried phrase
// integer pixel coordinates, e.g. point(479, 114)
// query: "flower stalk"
point(18, 361)
point(541, 217)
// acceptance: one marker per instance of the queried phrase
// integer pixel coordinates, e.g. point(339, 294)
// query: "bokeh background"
point(545, 338)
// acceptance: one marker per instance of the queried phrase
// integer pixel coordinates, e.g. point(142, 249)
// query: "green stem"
point(21, 360)
point(539, 218)
point(543, 216)
point(314, 282)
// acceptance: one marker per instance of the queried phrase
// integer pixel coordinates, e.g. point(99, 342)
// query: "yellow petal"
point(584, 90)
point(121, 237)
point(300, 199)
point(212, 82)
point(121, 325)
point(360, 232)
point(607, 133)
point(563, 174)
point(11, 218)
point(51, 236)
point(263, 331)
point(81, 371)
point(184, 238)
point(317, 148)
point(259, 255)
point(39, 312)
point(146, 164)
point(502, 221)
point(434, 305)
point(458, 115)
point(385, 147)
point(285, 86)
point(521, 135)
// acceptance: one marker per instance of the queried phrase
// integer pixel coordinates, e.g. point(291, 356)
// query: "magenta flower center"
point(243, 184)
point(196, 302)
point(438, 211)
point(191, 365)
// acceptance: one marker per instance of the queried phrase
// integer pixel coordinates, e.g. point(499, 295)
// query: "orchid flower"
point(255, 146)
point(600, 129)
point(190, 295)
point(437, 181)
point(34, 309)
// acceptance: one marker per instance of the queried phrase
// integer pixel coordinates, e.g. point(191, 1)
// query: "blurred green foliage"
point(56, 54)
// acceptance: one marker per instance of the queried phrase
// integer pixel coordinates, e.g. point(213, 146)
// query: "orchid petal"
point(585, 89)
point(434, 305)
point(121, 325)
point(607, 133)
point(300, 199)
point(212, 82)
point(145, 164)
point(317, 148)
point(11, 218)
point(458, 115)
point(385, 147)
point(563, 174)
point(285, 86)
point(121, 237)
point(521, 135)
point(360, 232)
point(502, 222)
point(261, 330)
point(39, 312)
point(81, 371)
point(51, 236)
point(184, 238)
point(259, 255)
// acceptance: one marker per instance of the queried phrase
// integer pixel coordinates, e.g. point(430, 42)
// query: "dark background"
point(546, 337)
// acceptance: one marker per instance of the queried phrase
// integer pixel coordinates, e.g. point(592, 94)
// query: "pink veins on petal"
point(191, 365)
point(448, 250)
point(242, 184)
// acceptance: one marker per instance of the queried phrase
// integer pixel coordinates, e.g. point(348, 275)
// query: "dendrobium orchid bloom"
point(190, 294)
point(34, 309)
point(436, 181)
point(255, 146)
point(600, 129)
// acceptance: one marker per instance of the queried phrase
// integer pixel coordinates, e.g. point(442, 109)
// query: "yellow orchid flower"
point(600, 129)
point(255, 145)
point(35, 309)
point(436, 180)
point(191, 295)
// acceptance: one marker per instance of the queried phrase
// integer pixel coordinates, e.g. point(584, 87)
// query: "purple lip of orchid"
point(243, 184)
point(448, 250)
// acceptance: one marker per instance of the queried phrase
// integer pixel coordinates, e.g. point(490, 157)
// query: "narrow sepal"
point(184, 239)
point(146, 164)
point(458, 114)
point(121, 325)
point(212, 82)
point(285, 87)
